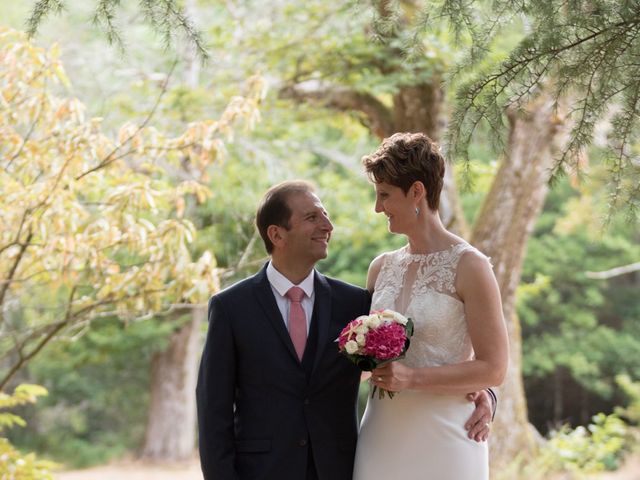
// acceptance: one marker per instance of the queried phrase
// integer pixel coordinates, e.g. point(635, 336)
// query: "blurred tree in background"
point(579, 331)
point(78, 244)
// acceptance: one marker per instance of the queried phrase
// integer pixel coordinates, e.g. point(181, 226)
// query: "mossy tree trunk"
point(501, 231)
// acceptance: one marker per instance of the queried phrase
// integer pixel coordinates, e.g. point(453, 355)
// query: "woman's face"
point(399, 208)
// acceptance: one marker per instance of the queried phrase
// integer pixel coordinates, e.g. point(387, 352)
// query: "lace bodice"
point(422, 286)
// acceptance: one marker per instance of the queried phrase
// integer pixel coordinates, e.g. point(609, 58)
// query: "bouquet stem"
point(381, 392)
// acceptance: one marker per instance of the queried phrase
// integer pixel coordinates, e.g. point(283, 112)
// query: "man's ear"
point(274, 232)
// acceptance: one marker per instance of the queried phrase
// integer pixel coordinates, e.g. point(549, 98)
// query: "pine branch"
point(587, 58)
point(41, 9)
point(164, 16)
point(104, 18)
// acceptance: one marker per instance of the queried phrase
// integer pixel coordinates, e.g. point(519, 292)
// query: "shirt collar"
point(282, 284)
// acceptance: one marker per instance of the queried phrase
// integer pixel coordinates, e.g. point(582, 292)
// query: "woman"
point(460, 343)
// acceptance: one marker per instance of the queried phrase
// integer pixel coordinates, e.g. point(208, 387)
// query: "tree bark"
point(419, 108)
point(171, 426)
point(558, 396)
point(501, 231)
point(375, 115)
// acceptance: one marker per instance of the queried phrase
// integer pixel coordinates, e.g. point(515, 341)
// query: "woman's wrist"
point(416, 379)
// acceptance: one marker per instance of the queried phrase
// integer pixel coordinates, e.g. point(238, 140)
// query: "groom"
point(275, 399)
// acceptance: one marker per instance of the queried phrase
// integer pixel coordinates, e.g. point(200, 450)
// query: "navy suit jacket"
point(260, 410)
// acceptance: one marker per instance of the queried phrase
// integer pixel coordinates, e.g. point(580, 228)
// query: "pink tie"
point(297, 320)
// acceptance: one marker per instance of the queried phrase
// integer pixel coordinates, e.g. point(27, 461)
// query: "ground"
point(191, 471)
point(136, 471)
point(630, 471)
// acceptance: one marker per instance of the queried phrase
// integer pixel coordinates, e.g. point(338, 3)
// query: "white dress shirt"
point(281, 285)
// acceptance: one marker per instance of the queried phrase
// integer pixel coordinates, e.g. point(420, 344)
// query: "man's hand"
point(479, 424)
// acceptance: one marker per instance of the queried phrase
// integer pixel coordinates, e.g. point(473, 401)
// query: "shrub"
point(14, 464)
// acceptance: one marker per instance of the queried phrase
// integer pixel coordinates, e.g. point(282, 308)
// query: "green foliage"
point(98, 385)
point(631, 412)
point(578, 332)
point(576, 454)
point(14, 464)
point(76, 238)
point(600, 446)
point(24, 393)
point(583, 49)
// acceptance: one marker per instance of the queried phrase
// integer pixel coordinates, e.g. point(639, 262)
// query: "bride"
point(460, 342)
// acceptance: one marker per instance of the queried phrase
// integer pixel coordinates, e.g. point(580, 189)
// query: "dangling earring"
point(417, 211)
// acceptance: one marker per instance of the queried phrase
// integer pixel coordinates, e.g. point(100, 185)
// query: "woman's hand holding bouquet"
point(376, 339)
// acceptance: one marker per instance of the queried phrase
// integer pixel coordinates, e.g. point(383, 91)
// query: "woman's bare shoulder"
point(374, 270)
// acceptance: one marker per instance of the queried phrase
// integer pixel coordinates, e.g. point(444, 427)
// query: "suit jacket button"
point(306, 401)
point(303, 442)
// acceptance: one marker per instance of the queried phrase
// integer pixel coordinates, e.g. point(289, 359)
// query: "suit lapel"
point(322, 313)
point(270, 307)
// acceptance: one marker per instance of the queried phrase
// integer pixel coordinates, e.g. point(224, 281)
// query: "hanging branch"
point(164, 16)
point(614, 272)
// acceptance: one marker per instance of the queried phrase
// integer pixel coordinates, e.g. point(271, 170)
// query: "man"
point(275, 398)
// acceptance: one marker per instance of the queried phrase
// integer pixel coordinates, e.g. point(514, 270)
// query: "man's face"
point(309, 229)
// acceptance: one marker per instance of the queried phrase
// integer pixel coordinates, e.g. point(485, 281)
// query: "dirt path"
point(191, 471)
point(136, 471)
point(629, 471)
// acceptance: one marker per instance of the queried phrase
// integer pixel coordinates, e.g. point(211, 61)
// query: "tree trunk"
point(419, 108)
point(558, 397)
point(171, 426)
point(501, 231)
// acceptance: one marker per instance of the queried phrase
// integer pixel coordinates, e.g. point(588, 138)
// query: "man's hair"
point(274, 208)
point(405, 158)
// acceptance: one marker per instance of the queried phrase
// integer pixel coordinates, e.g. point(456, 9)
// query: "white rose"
point(351, 347)
point(399, 318)
point(361, 329)
point(360, 339)
point(373, 321)
point(387, 314)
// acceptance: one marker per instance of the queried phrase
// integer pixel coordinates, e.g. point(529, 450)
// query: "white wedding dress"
point(419, 435)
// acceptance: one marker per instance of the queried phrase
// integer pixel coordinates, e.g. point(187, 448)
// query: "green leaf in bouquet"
point(409, 328)
point(366, 363)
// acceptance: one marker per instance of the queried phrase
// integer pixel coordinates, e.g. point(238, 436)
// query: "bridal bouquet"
point(375, 339)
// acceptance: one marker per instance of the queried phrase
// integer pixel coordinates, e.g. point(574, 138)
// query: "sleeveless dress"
point(419, 435)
